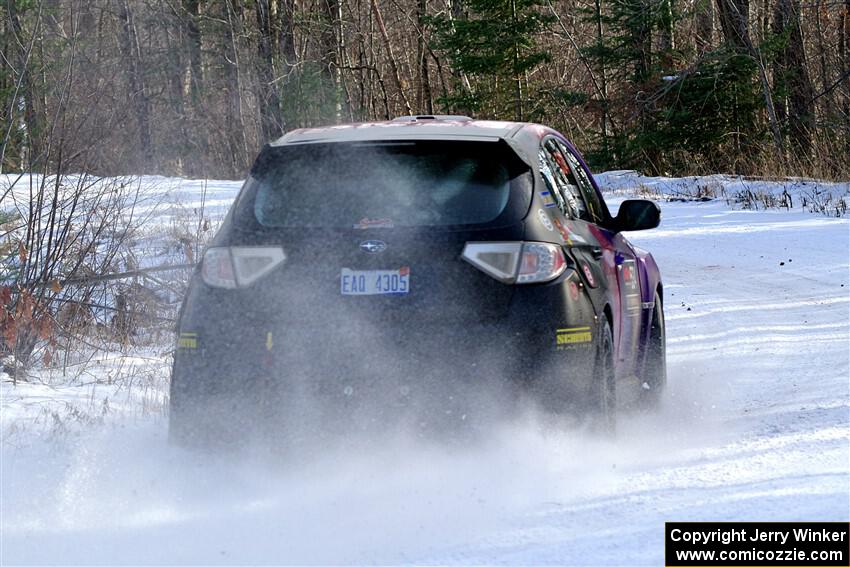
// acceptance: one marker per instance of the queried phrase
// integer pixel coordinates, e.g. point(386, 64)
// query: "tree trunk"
point(642, 37)
point(844, 51)
point(193, 83)
point(271, 124)
point(424, 97)
point(8, 148)
point(603, 79)
point(456, 7)
point(734, 22)
point(704, 37)
point(286, 34)
point(31, 150)
point(793, 79)
point(193, 45)
point(182, 152)
point(379, 20)
point(233, 80)
point(287, 58)
point(330, 53)
point(667, 37)
point(517, 79)
point(130, 50)
point(780, 84)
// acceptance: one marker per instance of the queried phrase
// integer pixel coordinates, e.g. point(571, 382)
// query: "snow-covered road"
point(755, 426)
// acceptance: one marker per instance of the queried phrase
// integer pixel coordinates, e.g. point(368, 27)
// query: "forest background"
point(195, 87)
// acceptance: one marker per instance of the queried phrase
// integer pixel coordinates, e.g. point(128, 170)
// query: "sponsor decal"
point(187, 341)
point(578, 238)
point(572, 336)
point(565, 234)
point(629, 274)
point(588, 273)
point(630, 284)
point(573, 290)
point(571, 237)
point(373, 246)
point(365, 223)
point(548, 201)
point(544, 220)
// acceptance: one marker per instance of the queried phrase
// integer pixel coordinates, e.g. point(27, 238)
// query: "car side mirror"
point(637, 214)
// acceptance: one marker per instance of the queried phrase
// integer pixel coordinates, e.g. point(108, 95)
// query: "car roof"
point(405, 128)
point(424, 127)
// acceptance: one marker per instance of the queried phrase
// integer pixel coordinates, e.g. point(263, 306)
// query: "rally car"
point(416, 259)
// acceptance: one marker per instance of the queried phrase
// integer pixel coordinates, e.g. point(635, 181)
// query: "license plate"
point(374, 282)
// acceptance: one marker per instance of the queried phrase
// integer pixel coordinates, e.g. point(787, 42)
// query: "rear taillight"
point(517, 262)
point(217, 268)
point(239, 266)
point(540, 262)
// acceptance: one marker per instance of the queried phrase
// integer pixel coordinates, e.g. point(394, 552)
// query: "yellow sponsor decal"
point(187, 340)
point(573, 335)
point(269, 341)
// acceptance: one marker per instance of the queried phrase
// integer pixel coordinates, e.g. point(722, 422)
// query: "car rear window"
point(348, 185)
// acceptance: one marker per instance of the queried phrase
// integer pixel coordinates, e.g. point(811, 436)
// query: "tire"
point(654, 377)
point(186, 428)
point(602, 397)
point(180, 434)
point(197, 426)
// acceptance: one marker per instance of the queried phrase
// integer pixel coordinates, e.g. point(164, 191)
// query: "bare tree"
point(791, 77)
point(704, 28)
point(238, 146)
point(271, 124)
point(25, 93)
point(136, 91)
point(382, 28)
point(424, 97)
point(202, 84)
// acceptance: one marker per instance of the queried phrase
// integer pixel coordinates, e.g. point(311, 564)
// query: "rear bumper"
point(225, 356)
point(355, 356)
point(343, 378)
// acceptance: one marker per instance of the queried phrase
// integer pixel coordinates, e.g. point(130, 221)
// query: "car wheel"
point(603, 393)
point(654, 378)
point(180, 432)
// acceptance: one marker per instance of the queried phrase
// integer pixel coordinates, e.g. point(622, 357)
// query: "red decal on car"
point(589, 275)
point(374, 223)
point(573, 291)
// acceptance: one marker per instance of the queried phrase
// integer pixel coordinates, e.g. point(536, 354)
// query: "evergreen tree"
point(626, 53)
point(492, 50)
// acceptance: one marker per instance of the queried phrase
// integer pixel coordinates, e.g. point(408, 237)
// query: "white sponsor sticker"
point(545, 220)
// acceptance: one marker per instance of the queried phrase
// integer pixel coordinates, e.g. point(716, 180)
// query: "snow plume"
point(126, 495)
point(389, 492)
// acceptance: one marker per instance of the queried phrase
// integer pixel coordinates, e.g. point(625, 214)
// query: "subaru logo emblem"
point(373, 246)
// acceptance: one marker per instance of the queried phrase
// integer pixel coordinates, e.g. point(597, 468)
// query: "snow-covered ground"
point(755, 426)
